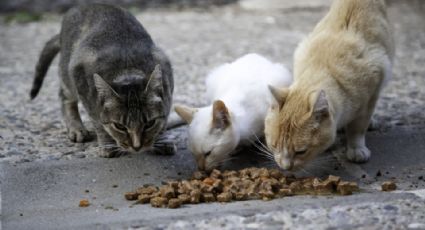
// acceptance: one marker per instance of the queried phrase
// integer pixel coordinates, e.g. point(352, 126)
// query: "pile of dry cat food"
point(245, 184)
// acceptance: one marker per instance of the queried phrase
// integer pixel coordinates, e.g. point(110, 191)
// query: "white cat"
point(240, 99)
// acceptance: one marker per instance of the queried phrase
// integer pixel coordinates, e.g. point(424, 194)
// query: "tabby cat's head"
point(298, 127)
point(131, 108)
point(212, 134)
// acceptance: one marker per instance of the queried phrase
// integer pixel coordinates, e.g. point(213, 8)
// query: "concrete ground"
point(43, 175)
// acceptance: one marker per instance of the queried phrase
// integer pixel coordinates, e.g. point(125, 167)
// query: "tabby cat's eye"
point(150, 124)
point(119, 127)
point(299, 153)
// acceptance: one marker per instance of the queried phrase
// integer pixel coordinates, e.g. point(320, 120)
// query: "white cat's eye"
point(207, 154)
point(119, 127)
point(299, 153)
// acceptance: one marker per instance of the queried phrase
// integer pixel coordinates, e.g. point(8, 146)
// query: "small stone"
point(174, 203)
point(84, 203)
point(388, 186)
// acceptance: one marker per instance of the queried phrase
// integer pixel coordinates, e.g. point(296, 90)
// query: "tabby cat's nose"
point(137, 148)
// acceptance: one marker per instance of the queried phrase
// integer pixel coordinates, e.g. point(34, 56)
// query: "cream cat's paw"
point(358, 154)
point(78, 135)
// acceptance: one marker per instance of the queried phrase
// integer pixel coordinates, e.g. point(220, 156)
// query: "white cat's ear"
point(155, 79)
point(104, 90)
point(279, 94)
point(186, 113)
point(321, 106)
point(221, 117)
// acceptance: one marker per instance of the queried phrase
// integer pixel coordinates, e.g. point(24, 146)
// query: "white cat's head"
point(212, 134)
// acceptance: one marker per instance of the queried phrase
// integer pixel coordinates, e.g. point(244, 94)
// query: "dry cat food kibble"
point(388, 186)
point(84, 203)
point(245, 184)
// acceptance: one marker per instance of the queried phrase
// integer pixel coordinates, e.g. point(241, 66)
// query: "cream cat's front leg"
point(356, 133)
point(356, 144)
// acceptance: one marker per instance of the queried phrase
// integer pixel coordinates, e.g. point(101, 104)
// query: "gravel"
point(399, 214)
point(196, 41)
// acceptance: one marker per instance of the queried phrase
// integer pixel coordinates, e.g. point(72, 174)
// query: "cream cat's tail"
point(49, 52)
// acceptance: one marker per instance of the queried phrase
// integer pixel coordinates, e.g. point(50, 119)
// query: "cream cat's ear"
point(321, 106)
point(221, 117)
point(279, 94)
point(104, 90)
point(186, 113)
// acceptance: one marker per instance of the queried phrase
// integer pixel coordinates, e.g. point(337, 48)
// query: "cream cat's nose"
point(286, 164)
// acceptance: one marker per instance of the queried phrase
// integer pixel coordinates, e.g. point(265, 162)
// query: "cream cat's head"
point(212, 134)
point(298, 127)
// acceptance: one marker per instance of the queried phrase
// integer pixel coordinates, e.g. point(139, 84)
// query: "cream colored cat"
point(339, 70)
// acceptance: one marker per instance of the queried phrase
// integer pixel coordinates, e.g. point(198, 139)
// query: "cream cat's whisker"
point(261, 143)
point(268, 157)
point(261, 147)
point(265, 152)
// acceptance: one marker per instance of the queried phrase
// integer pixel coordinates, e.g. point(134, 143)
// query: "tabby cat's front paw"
point(78, 135)
point(358, 154)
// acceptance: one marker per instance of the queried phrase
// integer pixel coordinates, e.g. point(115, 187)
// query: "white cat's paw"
point(358, 155)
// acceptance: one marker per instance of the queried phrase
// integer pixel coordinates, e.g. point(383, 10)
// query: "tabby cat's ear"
point(186, 113)
point(155, 79)
point(279, 94)
point(221, 117)
point(321, 107)
point(104, 90)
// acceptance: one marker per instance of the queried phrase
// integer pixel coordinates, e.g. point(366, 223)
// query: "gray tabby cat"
point(109, 62)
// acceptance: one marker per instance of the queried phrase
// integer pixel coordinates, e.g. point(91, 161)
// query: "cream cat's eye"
point(299, 153)
point(119, 127)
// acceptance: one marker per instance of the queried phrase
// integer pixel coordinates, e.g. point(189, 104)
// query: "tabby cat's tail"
point(49, 52)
